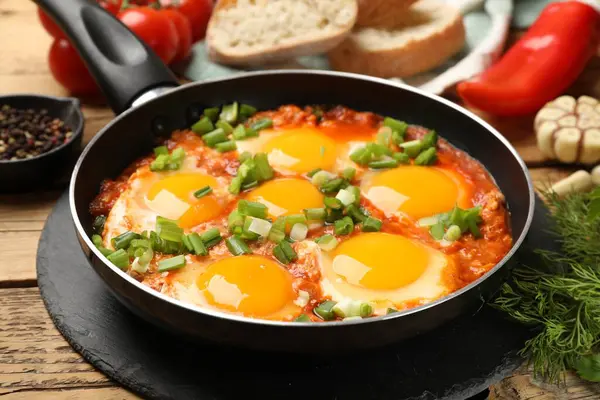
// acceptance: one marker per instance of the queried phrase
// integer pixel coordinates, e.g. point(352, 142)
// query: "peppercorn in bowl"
point(39, 139)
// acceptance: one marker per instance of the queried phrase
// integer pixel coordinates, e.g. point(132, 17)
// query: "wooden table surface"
point(35, 361)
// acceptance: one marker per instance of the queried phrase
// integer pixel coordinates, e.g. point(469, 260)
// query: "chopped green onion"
point(396, 125)
point(227, 128)
point(97, 240)
point(246, 155)
point(397, 138)
point(298, 232)
point(261, 227)
point(211, 237)
point(249, 185)
point(333, 215)
point(302, 318)
point(391, 310)
point(294, 219)
point(229, 113)
point(310, 174)
point(261, 124)
point(381, 164)
point(198, 246)
point(264, 171)
point(177, 156)
point(203, 126)
point(284, 252)
point(277, 232)
point(427, 157)
point(239, 133)
point(315, 214)
point(123, 240)
point(145, 243)
point(98, 224)
point(356, 213)
point(160, 163)
point(361, 156)
point(344, 226)
point(212, 113)
point(247, 110)
point(453, 233)
point(206, 190)
point(366, 310)
point(237, 246)
point(168, 230)
point(172, 263)
point(236, 185)
point(349, 173)
point(332, 186)
point(325, 310)
point(333, 203)
point(402, 158)
point(437, 231)
point(224, 147)
point(252, 208)
point(217, 136)
point(161, 150)
point(327, 242)
point(347, 308)
point(378, 150)
point(430, 139)
point(412, 148)
point(145, 258)
point(384, 136)
point(345, 197)
point(321, 177)
point(119, 258)
point(371, 225)
point(186, 242)
point(235, 219)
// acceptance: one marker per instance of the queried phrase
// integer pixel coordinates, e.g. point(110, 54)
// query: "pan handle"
point(124, 67)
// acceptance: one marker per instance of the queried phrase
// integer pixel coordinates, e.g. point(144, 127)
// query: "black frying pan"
point(141, 90)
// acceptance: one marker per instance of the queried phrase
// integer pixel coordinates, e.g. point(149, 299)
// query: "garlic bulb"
point(568, 130)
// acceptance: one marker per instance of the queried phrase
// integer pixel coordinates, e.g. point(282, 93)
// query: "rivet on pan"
point(193, 113)
point(161, 126)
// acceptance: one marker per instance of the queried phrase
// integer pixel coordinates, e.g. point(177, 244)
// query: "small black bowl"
point(41, 171)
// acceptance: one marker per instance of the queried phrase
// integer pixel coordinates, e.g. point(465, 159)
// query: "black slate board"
point(459, 360)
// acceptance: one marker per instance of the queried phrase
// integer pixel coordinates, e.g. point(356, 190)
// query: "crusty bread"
point(386, 14)
point(432, 32)
point(253, 32)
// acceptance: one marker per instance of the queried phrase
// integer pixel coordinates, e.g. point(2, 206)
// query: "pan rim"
point(308, 325)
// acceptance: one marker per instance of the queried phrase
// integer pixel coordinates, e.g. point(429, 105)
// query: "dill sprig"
point(560, 297)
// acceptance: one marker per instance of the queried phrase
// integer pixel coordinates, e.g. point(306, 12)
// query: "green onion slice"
point(325, 310)
point(119, 258)
point(237, 246)
point(327, 242)
point(172, 263)
point(252, 208)
point(344, 226)
point(229, 113)
point(206, 190)
point(284, 252)
point(203, 126)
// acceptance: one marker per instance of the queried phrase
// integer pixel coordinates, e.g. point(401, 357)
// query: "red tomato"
point(184, 31)
point(154, 28)
point(112, 6)
point(198, 13)
point(69, 70)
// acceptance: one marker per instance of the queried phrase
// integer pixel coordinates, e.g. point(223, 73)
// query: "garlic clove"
point(566, 144)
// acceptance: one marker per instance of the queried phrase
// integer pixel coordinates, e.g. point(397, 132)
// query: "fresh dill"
point(561, 296)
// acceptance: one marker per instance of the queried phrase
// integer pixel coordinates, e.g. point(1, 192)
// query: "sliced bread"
point(254, 32)
point(433, 31)
point(382, 13)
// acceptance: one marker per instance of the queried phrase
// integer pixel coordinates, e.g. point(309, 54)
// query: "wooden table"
point(35, 361)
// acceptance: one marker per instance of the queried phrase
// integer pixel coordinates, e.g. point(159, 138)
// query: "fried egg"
point(167, 194)
point(249, 285)
point(416, 191)
point(286, 196)
point(299, 150)
point(385, 269)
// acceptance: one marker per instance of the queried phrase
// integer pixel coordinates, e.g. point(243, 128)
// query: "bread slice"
point(387, 14)
point(433, 31)
point(254, 32)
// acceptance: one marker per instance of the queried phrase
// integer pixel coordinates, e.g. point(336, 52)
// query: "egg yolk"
point(426, 190)
point(183, 186)
point(380, 261)
point(252, 285)
point(287, 196)
point(301, 150)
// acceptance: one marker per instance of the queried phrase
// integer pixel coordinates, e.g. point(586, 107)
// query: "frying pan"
point(149, 105)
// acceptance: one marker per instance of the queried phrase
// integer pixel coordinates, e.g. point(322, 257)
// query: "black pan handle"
point(124, 67)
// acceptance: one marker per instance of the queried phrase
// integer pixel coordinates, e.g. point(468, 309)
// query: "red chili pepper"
point(541, 65)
